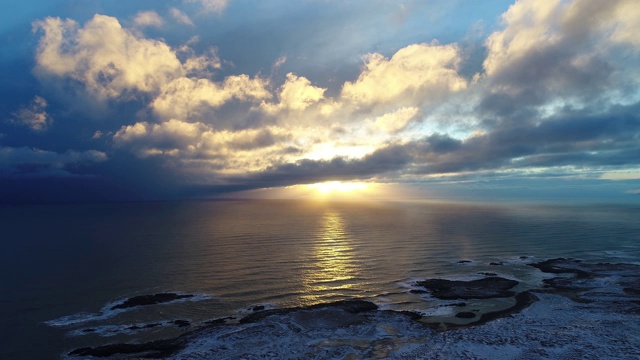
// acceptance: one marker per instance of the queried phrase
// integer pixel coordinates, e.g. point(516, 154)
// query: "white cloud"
point(170, 136)
point(394, 121)
point(148, 18)
point(194, 145)
point(296, 94)
point(113, 62)
point(186, 98)
point(620, 175)
point(34, 116)
point(108, 59)
point(414, 75)
point(528, 25)
point(616, 20)
point(216, 6)
point(279, 62)
point(180, 17)
point(200, 65)
point(564, 51)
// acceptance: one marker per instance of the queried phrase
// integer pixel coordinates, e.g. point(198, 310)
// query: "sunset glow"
point(339, 187)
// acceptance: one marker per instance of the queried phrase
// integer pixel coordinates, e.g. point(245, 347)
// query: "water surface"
point(67, 262)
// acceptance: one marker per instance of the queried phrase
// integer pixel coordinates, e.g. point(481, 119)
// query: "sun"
point(331, 190)
point(331, 187)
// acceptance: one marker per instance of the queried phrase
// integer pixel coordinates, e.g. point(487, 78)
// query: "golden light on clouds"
point(345, 191)
point(409, 121)
point(336, 191)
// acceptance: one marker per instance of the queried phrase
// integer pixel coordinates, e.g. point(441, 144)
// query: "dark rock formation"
point(343, 328)
point(219, 321)
point(153, 349)
point(635, 291)
point(581, 278)
point(567, 283)
point(143, 300)
point(349, 306)
point(418, 291)
point(181, 323)
point(561, 266)
point(410, 314)
point(458, 304)
point(582, 275)
point(465, 315)
point(523, 300)
point(488, 273)
point(320, 316)
point(485, 288)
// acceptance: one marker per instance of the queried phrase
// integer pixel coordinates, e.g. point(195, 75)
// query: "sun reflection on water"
point(333, 271)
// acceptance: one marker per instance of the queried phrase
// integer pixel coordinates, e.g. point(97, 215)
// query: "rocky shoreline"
point(354, 329)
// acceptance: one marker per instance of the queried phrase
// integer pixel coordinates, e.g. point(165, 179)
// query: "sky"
point(109, 100)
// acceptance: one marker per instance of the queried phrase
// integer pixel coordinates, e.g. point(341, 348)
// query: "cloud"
point(573, 139)
point(180, 17)
point(198, 148)
point(572, 144)
point(170, 138)
point(556, 96)
point(620, 175)
point(388, 159)
point(416, 74)
point(616, 21)
point(199, 65)
point(394, 121)
point(34, 116)
point(148, 18)
point(560, 53)
point(296, 94)
point(279, 62)
point(107, 59)
point(188, 98)
point(29, 162)
point(216, 6)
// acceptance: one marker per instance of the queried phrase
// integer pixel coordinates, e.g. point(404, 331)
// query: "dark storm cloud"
point(575, 139)
point(388, 159)
point(31, 162)
point(543, 74)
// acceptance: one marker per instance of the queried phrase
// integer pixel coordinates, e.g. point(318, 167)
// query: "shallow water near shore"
point(65, 267)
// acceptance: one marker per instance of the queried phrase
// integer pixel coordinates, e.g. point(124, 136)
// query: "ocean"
point(65, 268)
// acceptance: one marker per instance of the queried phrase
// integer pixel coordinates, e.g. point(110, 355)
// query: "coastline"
point(587, 311)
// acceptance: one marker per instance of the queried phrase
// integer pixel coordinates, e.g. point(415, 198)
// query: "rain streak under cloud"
point(202, 98)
